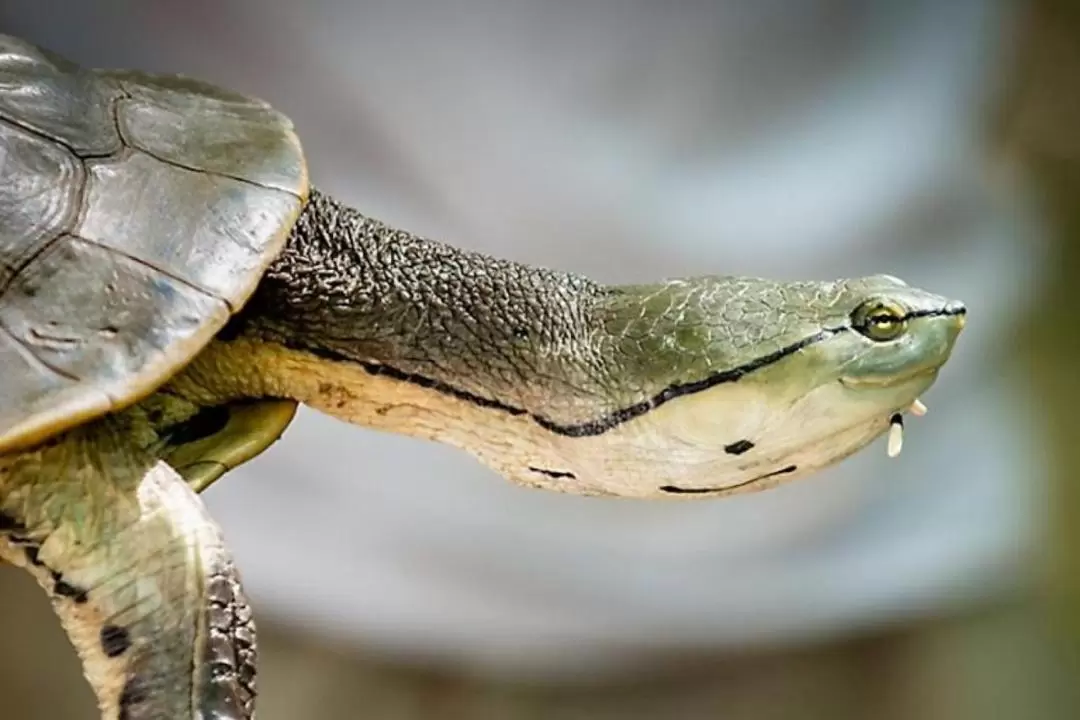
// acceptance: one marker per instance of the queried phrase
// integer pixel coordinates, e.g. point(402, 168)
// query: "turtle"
point(172, 287)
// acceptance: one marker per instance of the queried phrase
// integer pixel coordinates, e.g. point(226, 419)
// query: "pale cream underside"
point(680, 443)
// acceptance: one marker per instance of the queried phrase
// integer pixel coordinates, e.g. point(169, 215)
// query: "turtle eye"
point(879, 320)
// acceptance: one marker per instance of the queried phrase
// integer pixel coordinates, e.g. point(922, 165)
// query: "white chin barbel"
point(896, 428)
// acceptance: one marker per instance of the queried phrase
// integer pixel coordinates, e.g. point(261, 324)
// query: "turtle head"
point(757, 382)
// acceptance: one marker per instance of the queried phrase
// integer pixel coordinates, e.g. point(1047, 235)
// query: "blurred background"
point(934, 140)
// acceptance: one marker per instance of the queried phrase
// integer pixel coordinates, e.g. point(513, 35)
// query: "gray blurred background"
point(633, 140)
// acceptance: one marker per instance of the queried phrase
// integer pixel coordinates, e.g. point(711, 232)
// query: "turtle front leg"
point(138, 573)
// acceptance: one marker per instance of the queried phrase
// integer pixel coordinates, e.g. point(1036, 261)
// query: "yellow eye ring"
point(879, 320)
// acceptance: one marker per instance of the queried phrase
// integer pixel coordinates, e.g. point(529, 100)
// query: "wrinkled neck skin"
point(351, 289)
point(550, 379)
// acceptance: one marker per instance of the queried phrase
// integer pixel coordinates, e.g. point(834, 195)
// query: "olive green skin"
point(171, 288)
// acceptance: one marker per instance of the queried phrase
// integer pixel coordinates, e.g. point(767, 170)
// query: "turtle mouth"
point(855, 383)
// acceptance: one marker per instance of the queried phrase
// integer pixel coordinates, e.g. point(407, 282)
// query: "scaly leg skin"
point(137, 572)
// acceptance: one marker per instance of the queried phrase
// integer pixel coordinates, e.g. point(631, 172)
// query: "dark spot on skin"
point(233, 329)
point(154, 416)
point(61, 586)
point(557, 474)
point(521, 333)
point(207, 422)
point(65, 589)
point(676, 490)
point(115, 640)
point(739, 447)
point(134, 693)
point(8, 523)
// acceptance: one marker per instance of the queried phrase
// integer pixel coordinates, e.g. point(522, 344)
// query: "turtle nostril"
point(955, 307)
point(958, 311)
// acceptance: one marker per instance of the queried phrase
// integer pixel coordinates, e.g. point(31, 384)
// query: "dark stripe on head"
point(588, 428)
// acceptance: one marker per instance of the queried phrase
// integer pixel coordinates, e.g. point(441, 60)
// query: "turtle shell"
point(137, 213)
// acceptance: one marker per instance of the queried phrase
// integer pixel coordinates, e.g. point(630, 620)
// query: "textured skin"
point(502, 331)
point(137, 572)
point(100, 300)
